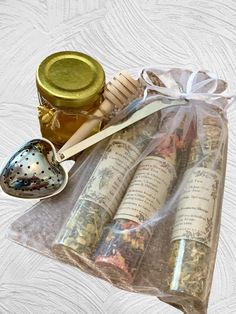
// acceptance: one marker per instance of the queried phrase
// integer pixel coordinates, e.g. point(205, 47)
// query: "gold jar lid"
point(69, 80)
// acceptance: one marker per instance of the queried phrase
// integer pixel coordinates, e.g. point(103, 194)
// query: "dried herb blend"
point(198, 209)
point(102, 194)
point(125, 240)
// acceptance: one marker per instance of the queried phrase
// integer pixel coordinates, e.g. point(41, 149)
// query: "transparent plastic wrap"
point(142, 209)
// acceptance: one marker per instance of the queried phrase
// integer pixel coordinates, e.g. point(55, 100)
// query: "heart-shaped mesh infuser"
point(33, 171)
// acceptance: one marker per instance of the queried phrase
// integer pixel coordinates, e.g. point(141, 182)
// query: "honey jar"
point(70, 86)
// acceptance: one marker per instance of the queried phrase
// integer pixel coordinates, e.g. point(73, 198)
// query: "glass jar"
point(70, 86)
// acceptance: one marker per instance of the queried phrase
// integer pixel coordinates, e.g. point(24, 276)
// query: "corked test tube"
point(196, 226)
point(104, 190)
point(121, 90)
point(124, 241)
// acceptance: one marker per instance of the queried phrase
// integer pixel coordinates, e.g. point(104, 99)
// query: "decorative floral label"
point(148, 190)
point(196, 208)
point(111, 177)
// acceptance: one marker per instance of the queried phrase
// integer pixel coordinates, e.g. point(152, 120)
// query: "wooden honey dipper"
point(118, 93)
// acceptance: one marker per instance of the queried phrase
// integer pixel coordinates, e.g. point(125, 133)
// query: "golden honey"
point(70, 86)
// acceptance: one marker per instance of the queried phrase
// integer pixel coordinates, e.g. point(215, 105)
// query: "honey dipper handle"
point(120, 90)
point(87, 127)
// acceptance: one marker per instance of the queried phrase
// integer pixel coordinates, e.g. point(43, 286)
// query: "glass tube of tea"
point(196, 226)
point(125, 240)
point(104, 190)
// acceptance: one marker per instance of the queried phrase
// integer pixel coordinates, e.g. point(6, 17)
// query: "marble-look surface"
point(121, 34)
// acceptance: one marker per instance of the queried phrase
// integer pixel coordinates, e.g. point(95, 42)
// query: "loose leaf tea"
point(104, 190)
point(193, 237)
point(125, 240)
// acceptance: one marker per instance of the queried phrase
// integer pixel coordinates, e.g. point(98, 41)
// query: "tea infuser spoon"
point(34, 171)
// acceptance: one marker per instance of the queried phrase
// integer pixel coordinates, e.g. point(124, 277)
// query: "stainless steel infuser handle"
point(137, 116)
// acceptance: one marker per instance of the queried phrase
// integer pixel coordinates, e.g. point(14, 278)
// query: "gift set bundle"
point(141, 208)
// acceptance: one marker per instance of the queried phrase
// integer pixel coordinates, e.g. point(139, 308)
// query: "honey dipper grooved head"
point(121, 89)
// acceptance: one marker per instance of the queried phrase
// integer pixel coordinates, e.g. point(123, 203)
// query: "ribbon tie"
point(178, 84)
point(184, 84)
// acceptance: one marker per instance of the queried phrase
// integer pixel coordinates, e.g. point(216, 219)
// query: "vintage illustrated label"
point(148, 190)
point(111, 177)
point(197, 206)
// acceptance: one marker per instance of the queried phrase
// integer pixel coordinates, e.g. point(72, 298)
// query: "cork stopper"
point(214, 121)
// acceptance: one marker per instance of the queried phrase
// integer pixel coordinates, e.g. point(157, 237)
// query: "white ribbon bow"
point(183, 84)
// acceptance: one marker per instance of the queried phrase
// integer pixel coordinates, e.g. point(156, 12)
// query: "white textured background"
point(121, 34)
